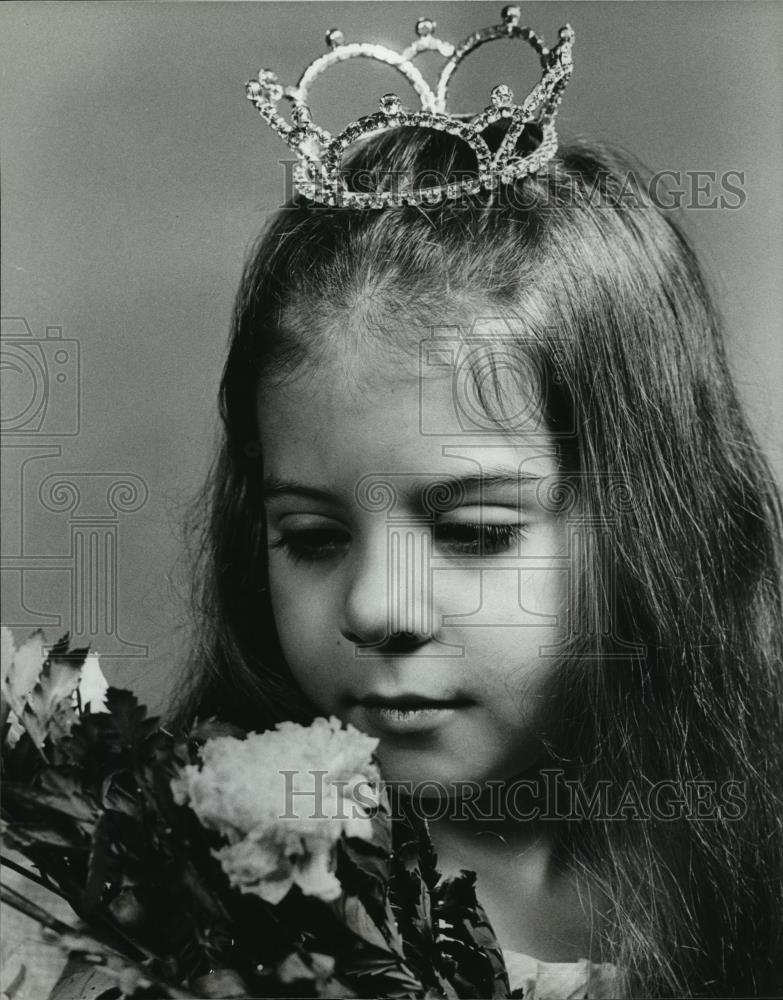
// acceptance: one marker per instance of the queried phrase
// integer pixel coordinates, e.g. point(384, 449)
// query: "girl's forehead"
point(363, 350)
point(365, 343)
point(341, 420)
point(373, 388)
point(391, 322)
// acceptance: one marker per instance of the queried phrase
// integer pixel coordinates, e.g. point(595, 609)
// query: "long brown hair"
point(640, 378)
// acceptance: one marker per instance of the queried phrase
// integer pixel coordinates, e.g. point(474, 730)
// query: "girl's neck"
point(501, 823)
point(480, 843)
point(534, 903)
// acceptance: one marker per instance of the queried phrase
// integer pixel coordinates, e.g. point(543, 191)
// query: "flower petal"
point(93, 685)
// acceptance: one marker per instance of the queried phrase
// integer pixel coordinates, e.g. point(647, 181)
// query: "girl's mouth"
point(409, 713)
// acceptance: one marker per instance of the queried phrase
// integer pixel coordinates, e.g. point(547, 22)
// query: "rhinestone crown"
point(317, 172)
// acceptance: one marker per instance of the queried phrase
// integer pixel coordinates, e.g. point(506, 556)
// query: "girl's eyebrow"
point(491, 478)
point(274, 487)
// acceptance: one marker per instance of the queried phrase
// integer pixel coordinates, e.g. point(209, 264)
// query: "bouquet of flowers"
point(220, 863)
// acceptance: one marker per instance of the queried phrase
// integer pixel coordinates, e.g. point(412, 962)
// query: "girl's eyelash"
point(318, 544)
point(479, 539)
point(304, 545)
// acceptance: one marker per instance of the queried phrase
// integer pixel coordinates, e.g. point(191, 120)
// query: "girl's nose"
point(388, 591)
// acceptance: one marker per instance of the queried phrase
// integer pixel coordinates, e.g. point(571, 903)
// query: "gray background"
point(135, 176)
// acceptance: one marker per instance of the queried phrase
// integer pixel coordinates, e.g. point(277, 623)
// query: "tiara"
point(317, 172)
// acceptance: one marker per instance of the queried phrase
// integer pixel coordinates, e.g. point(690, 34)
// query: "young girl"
point(486, 490)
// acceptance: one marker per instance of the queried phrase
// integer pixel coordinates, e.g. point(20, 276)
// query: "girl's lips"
point(408, 715)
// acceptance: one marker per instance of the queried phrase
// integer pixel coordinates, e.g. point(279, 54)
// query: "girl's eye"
point(312, 544)
point(462, 538)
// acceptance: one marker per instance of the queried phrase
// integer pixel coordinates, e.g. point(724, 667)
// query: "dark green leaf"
point(23, 762)
point(22, 802)
point(468, 939)
point(372, 861)
point(23, 835)
point(354, 915)
point(102, 867)
point(119, 793)
point(208, 901)
point(61, 789)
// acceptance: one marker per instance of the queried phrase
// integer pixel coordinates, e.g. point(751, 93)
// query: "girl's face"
point(388, 590)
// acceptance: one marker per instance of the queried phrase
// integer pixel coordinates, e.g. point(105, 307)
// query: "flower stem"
point(77, 942)
point(21, 870)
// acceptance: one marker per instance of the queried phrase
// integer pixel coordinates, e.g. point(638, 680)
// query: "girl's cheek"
point(502, 594)
point(301, 608)
point(541, 596)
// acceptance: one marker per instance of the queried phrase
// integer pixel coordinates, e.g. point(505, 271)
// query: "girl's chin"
point(452, 772)
point(428, 774)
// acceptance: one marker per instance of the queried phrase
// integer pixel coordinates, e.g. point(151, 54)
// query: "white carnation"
point(93, 685)
point(282, 820)
point(20, 669)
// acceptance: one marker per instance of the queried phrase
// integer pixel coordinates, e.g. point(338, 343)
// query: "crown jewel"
point(317, 173)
